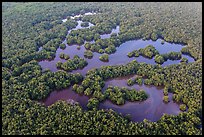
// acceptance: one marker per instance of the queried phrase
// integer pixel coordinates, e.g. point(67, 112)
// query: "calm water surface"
point(118, 58)
point(152, 108)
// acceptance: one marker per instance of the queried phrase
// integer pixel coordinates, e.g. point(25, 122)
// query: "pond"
point(152, 108)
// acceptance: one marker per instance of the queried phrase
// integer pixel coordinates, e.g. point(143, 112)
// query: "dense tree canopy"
point(71, 64)
point(26, 27)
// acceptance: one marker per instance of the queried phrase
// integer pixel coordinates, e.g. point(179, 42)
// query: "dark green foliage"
point(137, 80)
point(148, 52)
point(71, 40)
point(73, 64)
point(93, 103)
point(62, 46)
point(148, 82)
point(159, 59)
point(28, 26)
point(134, 95)
point(115, 94)
point(166, 99)
point(182, 107)
point(78, 47)
point(130, 82)
point(119, 95)
point(184, 60)
point(64, 56)
point(88, 54)
point(59, 64)
point(87, 45)
point(38, 88)
point(174, 55)
point(104, 57)
point(166, 90)
point(84, 24)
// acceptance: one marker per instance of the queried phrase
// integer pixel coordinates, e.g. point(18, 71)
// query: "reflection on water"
point(118, 58)
point(152, 108)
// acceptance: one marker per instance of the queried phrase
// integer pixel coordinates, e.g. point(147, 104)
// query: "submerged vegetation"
point(26, 27)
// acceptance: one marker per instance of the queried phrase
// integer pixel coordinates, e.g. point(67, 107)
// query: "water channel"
point(152, 108)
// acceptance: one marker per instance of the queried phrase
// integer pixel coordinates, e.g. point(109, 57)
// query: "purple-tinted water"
point(119, 57)
point(66, 94)
point(116, 30)
point(152, 108)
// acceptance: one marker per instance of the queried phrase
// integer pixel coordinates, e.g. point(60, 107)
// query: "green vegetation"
point(88, 54)
point(104, 57)
point(166, 91)
point(28, 26)
point(134, 95)
point(64, 56)
point(149, 52)
point(93, 103)
point(174, 55)
point(115, 94)
point(164, 57)
point(137, 79)
point(119, 95)
point(184, 60)
point(166, 99)
point(182, 107)
point(159, 59)
point(148, 82)
point(84, 24)
point(78, 47)
point(72, 64)
point(130, 82)
point(62, 46)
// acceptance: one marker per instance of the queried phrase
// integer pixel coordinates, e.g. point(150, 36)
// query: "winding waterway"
point(152, 108)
